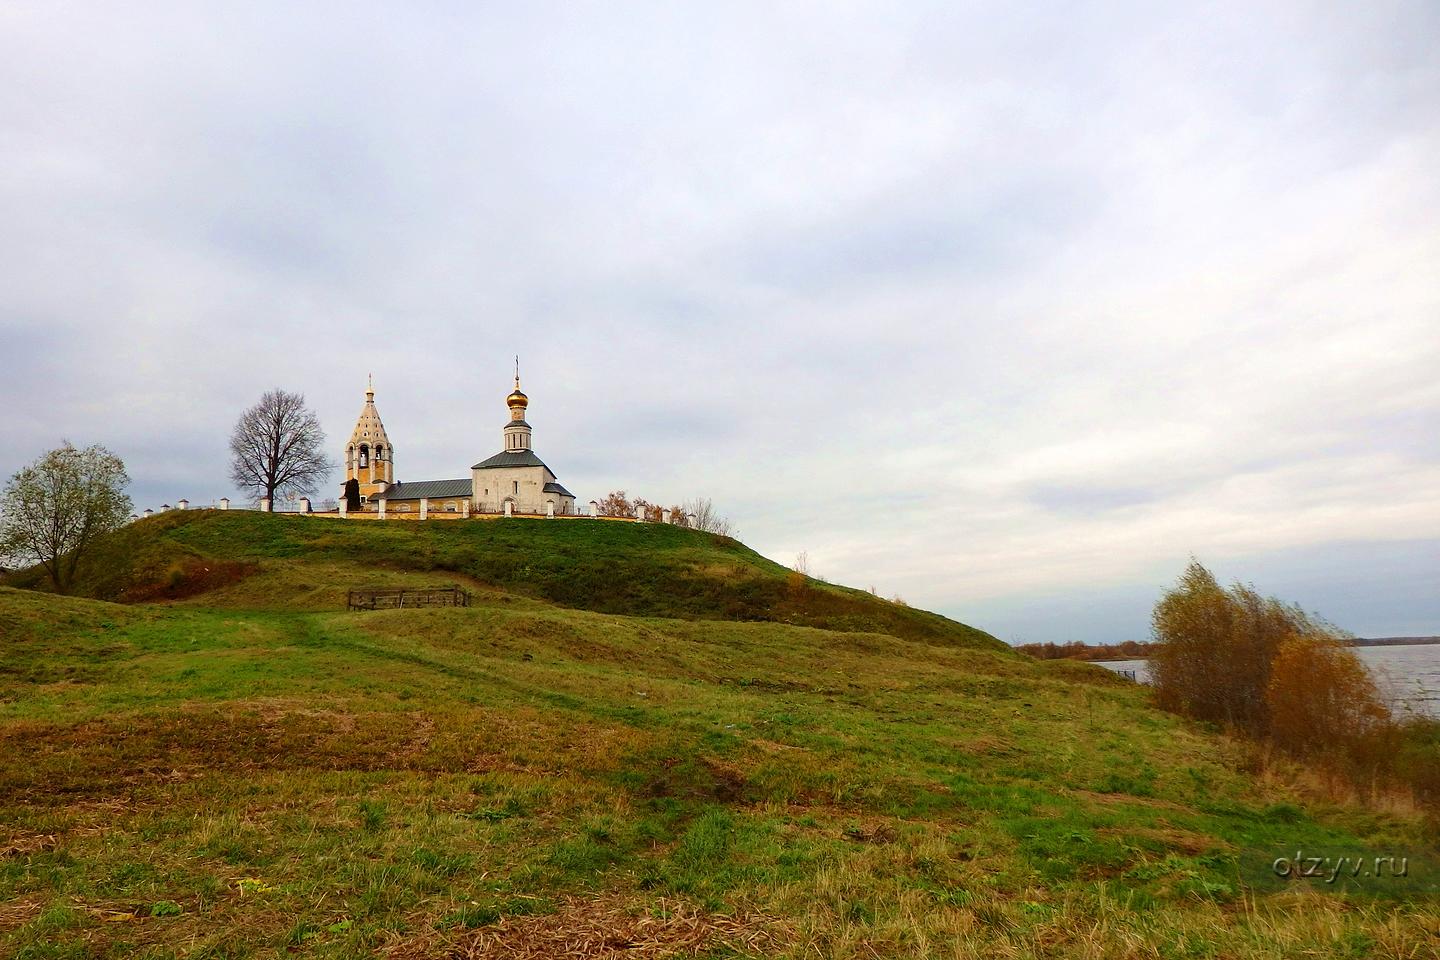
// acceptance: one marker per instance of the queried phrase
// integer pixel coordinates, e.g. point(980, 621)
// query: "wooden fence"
point(396, 598)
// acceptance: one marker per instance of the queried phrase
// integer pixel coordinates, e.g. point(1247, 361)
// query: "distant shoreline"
point(1357, 642)
point(1140, 650)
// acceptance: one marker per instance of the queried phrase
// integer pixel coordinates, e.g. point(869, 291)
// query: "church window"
point(449, 508)
point(516, 484)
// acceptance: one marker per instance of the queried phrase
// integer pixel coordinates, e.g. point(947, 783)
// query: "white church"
point(513, 481)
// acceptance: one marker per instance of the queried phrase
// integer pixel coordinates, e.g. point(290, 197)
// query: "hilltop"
point(638, 736)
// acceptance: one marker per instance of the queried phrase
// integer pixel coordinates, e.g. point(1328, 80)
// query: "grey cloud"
point(989, 237)
point(1089, 500)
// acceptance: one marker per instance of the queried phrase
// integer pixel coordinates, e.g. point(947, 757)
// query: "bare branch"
point(277, 448)
point(705, 517)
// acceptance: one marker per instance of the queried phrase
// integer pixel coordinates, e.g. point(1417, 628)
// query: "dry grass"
point(607, 927)
point(27, 844)
point(19, 911)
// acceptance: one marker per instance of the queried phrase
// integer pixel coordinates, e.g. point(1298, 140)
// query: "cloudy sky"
point(1007, 311)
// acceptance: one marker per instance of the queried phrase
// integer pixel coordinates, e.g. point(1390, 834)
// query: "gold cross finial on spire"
point(517, 371)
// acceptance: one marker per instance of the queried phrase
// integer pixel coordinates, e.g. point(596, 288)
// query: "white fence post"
point(665, 515)
point(509, 508)
point(264, 504)
point(304, 505)
point(344, 505)
point(550, 509)
point(382, 508)
point(224, 503)
point(424, 508)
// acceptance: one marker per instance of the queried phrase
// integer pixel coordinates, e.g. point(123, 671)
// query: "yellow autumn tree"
point(1216, 649)
point(1322, 700)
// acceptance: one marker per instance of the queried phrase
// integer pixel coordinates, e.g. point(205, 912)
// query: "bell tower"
point(369, 457)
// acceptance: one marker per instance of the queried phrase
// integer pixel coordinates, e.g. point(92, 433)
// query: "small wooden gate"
point(398, 598)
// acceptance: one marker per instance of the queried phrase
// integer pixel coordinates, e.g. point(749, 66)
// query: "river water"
point(1410, 674)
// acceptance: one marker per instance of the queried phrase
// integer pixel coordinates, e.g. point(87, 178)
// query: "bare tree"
point(706, 518)
point(698, 513)
point(55, 508)
point(797, 581)
point(278, 447)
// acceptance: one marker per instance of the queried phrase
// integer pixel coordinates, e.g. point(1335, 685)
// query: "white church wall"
point(502, 483)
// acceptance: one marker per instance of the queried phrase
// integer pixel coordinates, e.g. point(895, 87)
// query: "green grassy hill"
point(252, 559)
point(640, 739)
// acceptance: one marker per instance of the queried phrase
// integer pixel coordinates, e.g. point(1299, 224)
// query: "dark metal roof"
point(432, 489)
point(511, 458)
point(554, 487)
point(516, 423)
